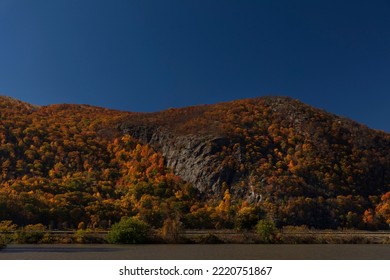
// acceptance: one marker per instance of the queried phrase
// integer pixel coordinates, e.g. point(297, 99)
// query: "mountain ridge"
point(295, 120)
point(231, 162)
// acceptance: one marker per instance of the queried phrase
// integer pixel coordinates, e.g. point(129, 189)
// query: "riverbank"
point(295, 237)
point(286, 236)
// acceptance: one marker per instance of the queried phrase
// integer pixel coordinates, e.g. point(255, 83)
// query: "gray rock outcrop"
point(195, 158)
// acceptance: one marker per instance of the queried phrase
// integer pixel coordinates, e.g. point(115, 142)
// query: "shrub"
point(31, 234)
point(266, 230)
point(85, 236)
point(128, 231)
point(6, 228)
point(3, 242)
point(171, 230)
point(80, 236)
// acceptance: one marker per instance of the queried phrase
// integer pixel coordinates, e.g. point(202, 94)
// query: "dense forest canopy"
point(70, 166)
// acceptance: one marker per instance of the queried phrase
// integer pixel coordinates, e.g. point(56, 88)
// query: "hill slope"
point(221, 165)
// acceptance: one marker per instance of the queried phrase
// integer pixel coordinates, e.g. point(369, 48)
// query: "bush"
point(6, 229)
point(171, 230)
point(7, 226)
point(80, 236)
point(31, 234)
point(267, 231)
point(128, 231)
point(86, 236)
point(3, 241)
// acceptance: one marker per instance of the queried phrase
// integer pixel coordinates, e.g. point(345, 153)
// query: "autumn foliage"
point(63, 166)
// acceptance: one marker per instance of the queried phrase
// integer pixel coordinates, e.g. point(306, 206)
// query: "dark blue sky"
point(151, 55)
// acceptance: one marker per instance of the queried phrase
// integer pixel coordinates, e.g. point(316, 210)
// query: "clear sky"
point(152, 55)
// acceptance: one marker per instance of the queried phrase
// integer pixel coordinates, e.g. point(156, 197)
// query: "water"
point(196, 252)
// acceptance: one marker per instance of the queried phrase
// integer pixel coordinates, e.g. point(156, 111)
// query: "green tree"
point(129, 231)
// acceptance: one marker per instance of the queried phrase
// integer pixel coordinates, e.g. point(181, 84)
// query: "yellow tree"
point(383, 208)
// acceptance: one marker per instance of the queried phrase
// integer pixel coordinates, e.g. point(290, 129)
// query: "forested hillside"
point(217, 166)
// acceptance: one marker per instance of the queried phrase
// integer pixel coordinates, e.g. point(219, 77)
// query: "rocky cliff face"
point(195, 158)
